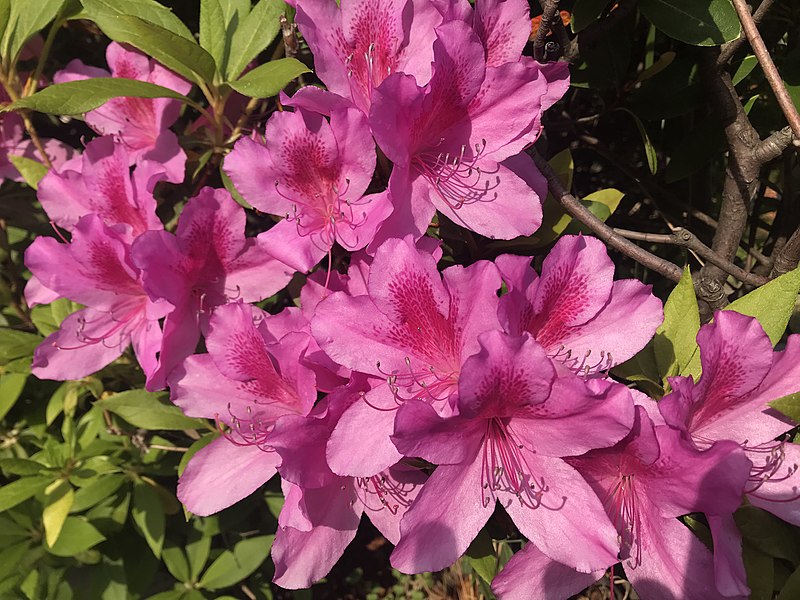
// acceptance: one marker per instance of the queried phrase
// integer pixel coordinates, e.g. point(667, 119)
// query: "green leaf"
point(24, 22)
point(768, 533)
point(77, 535)
point(148, 410)
point(760, 570)
point(11, 386)
point(198, 546)
point(58, 500)
point(586, 12)
point(772, 304)
point(601, 204)
point(182, 55)
point(176, 562)
point(149, 10)
point(649, 150)
point(228, 183)
point(269, 79)
point(708, 23)
point(254, 34)
point(743, 70)
point(231, 567)
point(788, 405)
point(20, 490)
point(97, 491)
point(554, 220)
point(16, 344)
point(21, 466)
point(5, 13)
point(78, 97)
point(148, 513)
point(642, 369)
point(213, 35)
point(482, 558)
point(675, 343)
point(31, 170)
point(48, 317)
point(791, 589)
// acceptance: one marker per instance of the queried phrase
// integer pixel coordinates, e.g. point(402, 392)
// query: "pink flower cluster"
point(421, 398)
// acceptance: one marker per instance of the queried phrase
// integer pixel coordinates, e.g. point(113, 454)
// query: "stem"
point(248, 110)
point(574, 207)
point(33, 80)
point(769, 68)
point(549, 13)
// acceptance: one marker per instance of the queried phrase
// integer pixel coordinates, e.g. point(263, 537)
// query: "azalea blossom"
point(357, 44)
point(313, 173)
point(140, 124)
point(448, 138)
point(517, 417)
point(246, 382)
point(100, 181)
point(740, 375)
point(575, 309)
point(322, 510)
point(206, 263)
point(414, 328)
point(95, 269)
point(645, 481)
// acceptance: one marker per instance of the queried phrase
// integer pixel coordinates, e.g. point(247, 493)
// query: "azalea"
point(575, 309)
point(645, 481)
point(100, 182)
point(314, 173)
point(206, 263)
point(357, 44)
point(517, 418)
point(414, 328)
point(740, 375)
point(246, 382)
point(322, 510)
point(140, 124)
point(448, 138)
point(95, 269)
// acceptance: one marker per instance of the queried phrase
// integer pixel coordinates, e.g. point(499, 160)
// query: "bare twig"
point(549, 13)
point(769, 68)
point(686, 239)
point(731, 48)
point(574, 207)
point(558, 29)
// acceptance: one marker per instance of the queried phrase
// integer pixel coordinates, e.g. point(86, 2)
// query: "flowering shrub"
point(315, 256)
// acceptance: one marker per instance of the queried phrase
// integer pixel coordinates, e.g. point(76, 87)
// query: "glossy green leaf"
point(255, 33)
point(182, 55)
point(213, 36)
point(788, 405)
point(31, 170)
point(772, 304)
point(16, 344)
point(5, 13)
point(269, 79)
point(198, 546)
point(675, 342)
point(20, 490)
point(586, 12)
point(175, 560)
point(149, 10)
point(745, 67)
point(97, 491)
point(58, 499)
point(700, 23)
point(231, 567)
point(21, 466)
point(77, 535)
point(11, 386)
point(78, 97)
point(148, 410)
point(24, 23)
point(148, 513)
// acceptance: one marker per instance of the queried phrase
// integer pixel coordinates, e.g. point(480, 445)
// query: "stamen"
point(390, 494)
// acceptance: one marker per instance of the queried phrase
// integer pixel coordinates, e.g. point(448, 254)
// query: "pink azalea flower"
point(100, 182)
point(246, 382)
point(741, 374)
point(517, 419)
point(357, 44)
point(96, 270)
point(323, 510)
point(206, 263)
point(141, 124)
point(314, 174)
point(447, 140)
point(646, 481)
point(414, 329)
point(575, 309)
